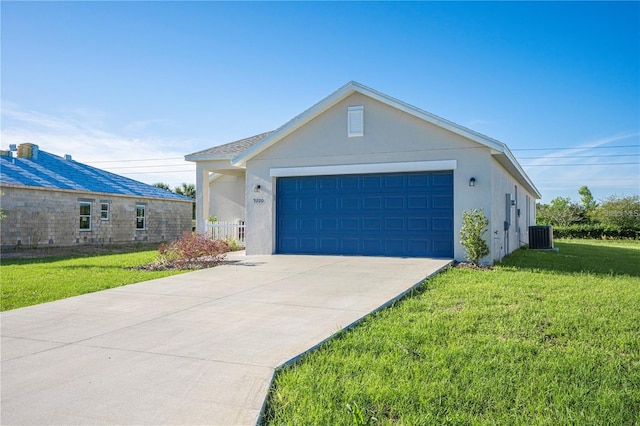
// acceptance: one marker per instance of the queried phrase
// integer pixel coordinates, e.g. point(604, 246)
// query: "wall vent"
point(355, 121)
point(541, 237)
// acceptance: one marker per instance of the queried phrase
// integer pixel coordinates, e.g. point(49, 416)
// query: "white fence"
point(227, 231)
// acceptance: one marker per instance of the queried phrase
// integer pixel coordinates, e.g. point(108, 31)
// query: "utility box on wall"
point(541, 237)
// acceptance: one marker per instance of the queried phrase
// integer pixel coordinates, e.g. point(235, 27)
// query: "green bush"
point(598, 231)
point(619, 211)
point(474, 226)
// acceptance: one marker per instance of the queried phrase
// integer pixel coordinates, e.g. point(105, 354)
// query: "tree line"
point(186, 189)
point(615, 216)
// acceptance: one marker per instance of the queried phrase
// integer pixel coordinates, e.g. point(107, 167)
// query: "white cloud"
point(82, 135)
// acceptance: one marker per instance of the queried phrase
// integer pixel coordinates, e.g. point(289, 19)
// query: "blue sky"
point(132, 87)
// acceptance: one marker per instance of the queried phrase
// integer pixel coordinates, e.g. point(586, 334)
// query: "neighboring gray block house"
point(50, 200)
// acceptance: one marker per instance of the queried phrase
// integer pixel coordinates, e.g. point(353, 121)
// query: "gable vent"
point(355, 121)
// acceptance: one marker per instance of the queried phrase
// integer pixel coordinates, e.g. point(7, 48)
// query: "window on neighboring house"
point(141, 220)
point(104, 211)
point(85, 216)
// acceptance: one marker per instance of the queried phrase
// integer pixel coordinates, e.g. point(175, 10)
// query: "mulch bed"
point(469, 265)
point(189, 265)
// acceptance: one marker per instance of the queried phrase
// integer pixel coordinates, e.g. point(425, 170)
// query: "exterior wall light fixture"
point(257, 188)
point(472, 181)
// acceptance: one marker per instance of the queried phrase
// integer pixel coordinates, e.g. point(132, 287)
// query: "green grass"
point(544, 338)
point(28, 282)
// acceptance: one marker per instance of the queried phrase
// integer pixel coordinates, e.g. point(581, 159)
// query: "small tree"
point(620, 211)
point(186, 189)
point(561, 212)
point(588, 202)
point(162, 186)
point(474, 226)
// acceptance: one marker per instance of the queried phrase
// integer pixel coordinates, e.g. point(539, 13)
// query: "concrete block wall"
point(36, 217)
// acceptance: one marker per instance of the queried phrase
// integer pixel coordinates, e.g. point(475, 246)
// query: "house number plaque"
point(258, 200)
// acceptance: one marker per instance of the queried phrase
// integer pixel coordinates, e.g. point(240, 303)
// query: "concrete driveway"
point(198, 348)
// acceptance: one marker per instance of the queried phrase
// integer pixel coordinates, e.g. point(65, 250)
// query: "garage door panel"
point(395, 214)
point(417, 202)
point(289, 186)
point(417, 225)
point(350, 245)
point(441, 202)
point(328, 224)
point(441, 179)
point(371, 182)
point(394, 181)
point(417, 246)
point(371, 202)
point(307, 204)
point(326, 203)
point(349, 182)
point(307, 184)
point(307, 225)
point(371, 245)
point(288, 244)
point(371, 224)
point(308, 244)
point(330, 184)
point(417, 181)
point(289, 203)
point(350, 223)
point(328, 245)
point(394, 202)
point(394, 224)
point(442, 247)
point(441, 224)
point(394, 247)
point(349, 203)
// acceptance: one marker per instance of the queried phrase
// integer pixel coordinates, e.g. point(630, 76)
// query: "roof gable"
point(51, 171)
point(342, 93)
point(265, 140)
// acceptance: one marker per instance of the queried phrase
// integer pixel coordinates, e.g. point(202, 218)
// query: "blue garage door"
point(389, 214)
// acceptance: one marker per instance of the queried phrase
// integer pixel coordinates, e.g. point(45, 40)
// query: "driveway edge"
point(385, 305)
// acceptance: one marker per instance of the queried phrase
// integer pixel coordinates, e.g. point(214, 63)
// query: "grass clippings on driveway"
point(544, 338)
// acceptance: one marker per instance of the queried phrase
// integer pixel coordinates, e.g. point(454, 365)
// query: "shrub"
point(234, 245)
point(474, 226)
point(623, 212)
point(194, 250)
point(559, 212)
point(598, 231)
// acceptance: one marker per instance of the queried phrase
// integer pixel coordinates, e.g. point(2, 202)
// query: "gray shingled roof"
point(232, 149)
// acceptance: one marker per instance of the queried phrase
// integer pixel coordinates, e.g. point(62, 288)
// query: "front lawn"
point(544, 338)
point(31, 281)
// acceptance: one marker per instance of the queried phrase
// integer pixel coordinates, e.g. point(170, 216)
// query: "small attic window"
point(355, 121)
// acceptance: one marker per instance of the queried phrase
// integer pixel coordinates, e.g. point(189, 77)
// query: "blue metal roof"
point(51, 171)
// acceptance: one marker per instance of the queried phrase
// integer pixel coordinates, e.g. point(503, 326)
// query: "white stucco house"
point(362, 173)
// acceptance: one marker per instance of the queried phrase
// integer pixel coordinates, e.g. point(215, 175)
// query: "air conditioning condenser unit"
point(541, 237)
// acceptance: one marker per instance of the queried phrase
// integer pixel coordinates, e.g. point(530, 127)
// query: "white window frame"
point(143, 217)
point(103, 211)
point(85, 216)
point(355, 121)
